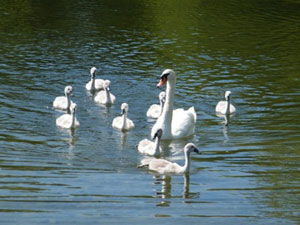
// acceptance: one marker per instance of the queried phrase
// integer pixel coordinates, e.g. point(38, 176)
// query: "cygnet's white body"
point(225, 107)
point(64, 102)
point(155, 110)
point(94, 84)
point(104, 96)
point(122, 122)
point(151, 148)
point(163, 166)
point(180, 123)
point(68, 120)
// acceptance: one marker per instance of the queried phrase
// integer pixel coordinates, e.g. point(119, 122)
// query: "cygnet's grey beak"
point(196, 150)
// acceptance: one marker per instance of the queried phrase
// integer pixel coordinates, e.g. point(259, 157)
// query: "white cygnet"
point(94, 84)
point(122, 122)
point(225, 107)
point(68, 120)
point(163, 166)
point(64, 102)
point(104, 96)
point(151, 148)
point(155, 110)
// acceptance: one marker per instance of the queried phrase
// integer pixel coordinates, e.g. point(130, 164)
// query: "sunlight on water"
point(248, 171)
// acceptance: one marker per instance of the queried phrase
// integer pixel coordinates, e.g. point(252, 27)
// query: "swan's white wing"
point(183, 122)
point(153, 111)
point(60, 102)
point(100, 97)
point(145, 146)
point(129, 124)
point(221, 107)
point(117, 122)
point(64, 121)
point(99, 84)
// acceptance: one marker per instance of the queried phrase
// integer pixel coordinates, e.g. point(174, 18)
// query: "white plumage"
point(163, 166)
point(151, 148)
point(175, 124)
point(225, 107)
point(155, 110)
point(68, 120)
point(122, 122)
point(104, 96)
point(94, 84)
point(64, 102)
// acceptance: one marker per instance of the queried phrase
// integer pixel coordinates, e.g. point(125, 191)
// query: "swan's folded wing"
point(183, 122)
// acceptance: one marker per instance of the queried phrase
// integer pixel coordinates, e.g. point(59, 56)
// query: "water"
point(248, 172)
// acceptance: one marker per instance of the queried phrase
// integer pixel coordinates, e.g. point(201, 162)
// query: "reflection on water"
point(247, 172)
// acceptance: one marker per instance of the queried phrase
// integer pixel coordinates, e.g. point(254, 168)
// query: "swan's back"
point(65, 121)
point(154, 111)
point(221, 107)
point(164, 167)
point(183, 122)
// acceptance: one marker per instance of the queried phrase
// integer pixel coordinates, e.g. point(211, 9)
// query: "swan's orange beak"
point(162, 82)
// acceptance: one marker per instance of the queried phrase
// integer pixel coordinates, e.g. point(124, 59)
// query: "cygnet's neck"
point(73, 116)
point(227, 111)
point(162, 103)
point(187, 163)
point(93, 83)
point(68, 96)
point(167, 113)
point(124, 120)
point(156, 146)
point(107, 96)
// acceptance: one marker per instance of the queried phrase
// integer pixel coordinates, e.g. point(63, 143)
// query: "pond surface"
point(248, 172)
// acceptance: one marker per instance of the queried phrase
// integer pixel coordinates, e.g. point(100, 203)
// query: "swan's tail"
point(192, 110)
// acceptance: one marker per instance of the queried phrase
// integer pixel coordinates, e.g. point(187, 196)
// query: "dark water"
point(248, 172)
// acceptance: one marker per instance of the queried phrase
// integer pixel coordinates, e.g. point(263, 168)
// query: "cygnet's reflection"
point(165, 191)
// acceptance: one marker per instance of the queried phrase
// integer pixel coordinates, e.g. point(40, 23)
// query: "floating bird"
point(150, 148)
point(225, 107)
point(122, 122)
point(94, 84)
point(174, 125)
point(104, 96)
point(68, 120)
point(166, 167)
point(64, 102)
point(155, 110)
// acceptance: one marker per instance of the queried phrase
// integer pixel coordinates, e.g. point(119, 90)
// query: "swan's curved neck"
point(124, 120)
point(227, 106)
point(93, 83)
point(107, 95)
point(162, 103)
point(167, 113)
point(68, 101)
point(73, 119)
point(187, 163)
point(156, 146)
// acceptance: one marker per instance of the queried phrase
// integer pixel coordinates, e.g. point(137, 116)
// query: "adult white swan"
point(166, 167)
point(94, 84)
point(63, 102)
point(67, 120)
point(122, 122)
point(155, 110)
point(104, 96)
point(225, 107)
point(174, 125)
point(151, 148)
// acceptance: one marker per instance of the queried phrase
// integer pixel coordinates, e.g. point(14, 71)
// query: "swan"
point(94, 84)
point(151, 148)
point(177, 124)
point(155, 110)
point(122, 122)
point(104, 96)
point(67, 120)
point(166, 167)
point(225, 107)
point(64, 102)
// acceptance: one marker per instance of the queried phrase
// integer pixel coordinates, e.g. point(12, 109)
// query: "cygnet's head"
point(93, 72)
point(162, 96)
point(190, 147)
point(167, 75)
point(68, 90)
point(124, 108)
point(73, 108)
point(106, 85)
point(158, 134)
point(227, 95)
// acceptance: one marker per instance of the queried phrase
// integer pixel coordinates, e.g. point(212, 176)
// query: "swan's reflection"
point(165, 192)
